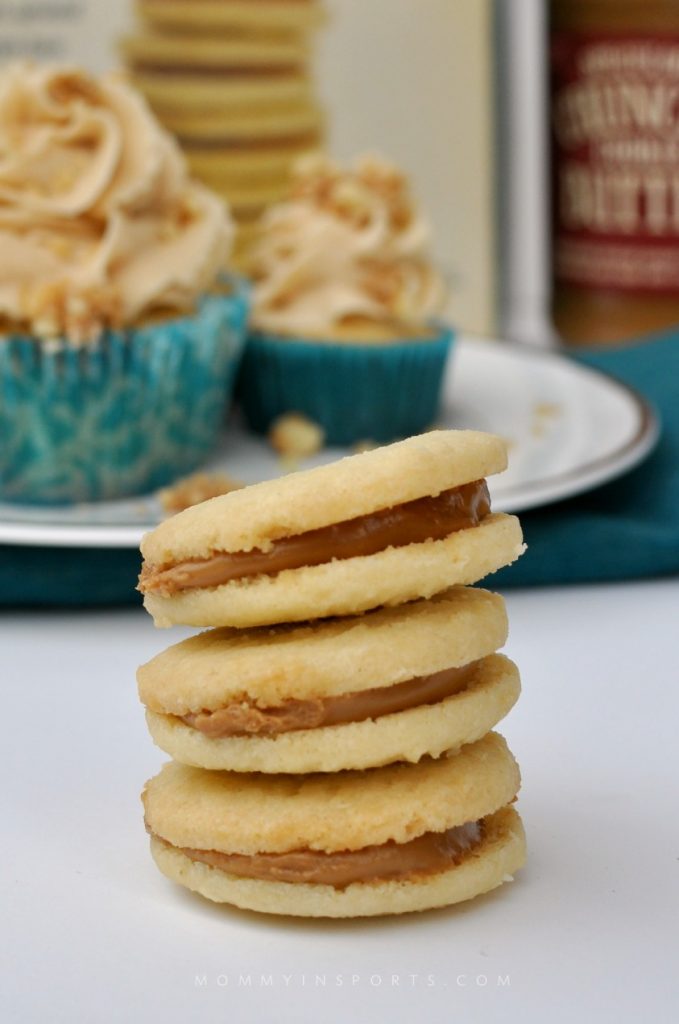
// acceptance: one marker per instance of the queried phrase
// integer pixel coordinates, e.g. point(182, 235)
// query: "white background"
point(587, 932)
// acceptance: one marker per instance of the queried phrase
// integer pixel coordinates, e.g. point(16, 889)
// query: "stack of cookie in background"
point(332, 743)
point(232, 80)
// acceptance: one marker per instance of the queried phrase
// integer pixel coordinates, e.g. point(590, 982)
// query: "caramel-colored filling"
point(245, 719)
point(426, 855)
point(430, 518)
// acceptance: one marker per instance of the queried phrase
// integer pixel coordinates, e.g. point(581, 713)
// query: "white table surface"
point(588, 931)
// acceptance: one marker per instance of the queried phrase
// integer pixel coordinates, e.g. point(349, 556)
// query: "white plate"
point(569, 429)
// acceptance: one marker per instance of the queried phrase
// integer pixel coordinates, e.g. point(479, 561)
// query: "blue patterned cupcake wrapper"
point(122, 415)
point(377, 392)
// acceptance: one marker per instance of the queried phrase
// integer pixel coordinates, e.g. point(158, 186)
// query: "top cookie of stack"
point(231, 79)
point(376, 529)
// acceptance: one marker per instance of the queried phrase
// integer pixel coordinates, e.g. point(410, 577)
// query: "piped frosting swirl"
point(100, 223)
point(347, 246)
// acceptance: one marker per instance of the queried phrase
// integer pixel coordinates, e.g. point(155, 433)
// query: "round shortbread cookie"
point(217, 51)
point(246, 236)
point(379, 649)
point(420, 466)
point(243, 214)
point(256, 195)
point(242, 259)
point(347, 586)
point(247, 232)
point(257, 190)
point(232, 14)
point(268, 163)
point(501, 852)
point(408, 735)
point(167, 90)
point(249, 814)
point(256, 123)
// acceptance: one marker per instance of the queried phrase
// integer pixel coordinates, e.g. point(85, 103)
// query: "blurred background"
point(458, 94)
point(541, 138)
point(424, 83)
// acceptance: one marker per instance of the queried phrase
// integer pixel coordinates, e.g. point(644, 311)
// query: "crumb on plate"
point(294, 436)
point(365, 446)
point(191, 490)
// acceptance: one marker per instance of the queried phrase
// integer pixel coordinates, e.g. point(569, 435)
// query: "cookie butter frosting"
point(425, 855)
point(99, 221)
point(414, 522)
point(347, 246)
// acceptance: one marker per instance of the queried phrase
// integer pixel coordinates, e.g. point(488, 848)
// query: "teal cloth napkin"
point(627, 529)
point(624, 530)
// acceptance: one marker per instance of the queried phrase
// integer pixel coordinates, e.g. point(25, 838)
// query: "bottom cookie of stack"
point(352, 844)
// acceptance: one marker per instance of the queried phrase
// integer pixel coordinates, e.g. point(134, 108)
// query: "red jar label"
point(615, 132)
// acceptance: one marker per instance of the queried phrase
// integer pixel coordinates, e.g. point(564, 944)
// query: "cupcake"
point(345, 325)
point(119, 337)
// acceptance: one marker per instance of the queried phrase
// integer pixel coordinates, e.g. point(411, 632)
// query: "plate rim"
point(591, 474)
point(541, 493)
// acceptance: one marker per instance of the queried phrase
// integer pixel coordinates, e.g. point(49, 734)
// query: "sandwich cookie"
point(243, 15)
point(232, 124)
point(168, 90)
point(386, 841)
point(247, 235)
point(243, 164)
point(248, 202)
point(217, 52)
point(251, 197)
point(391, 685)
point(391, 525)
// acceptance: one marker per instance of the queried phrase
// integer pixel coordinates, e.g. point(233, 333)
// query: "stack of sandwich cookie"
point(231, 78)
point(333, 754)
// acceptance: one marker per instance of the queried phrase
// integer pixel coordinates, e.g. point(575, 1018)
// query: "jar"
point(615, 167)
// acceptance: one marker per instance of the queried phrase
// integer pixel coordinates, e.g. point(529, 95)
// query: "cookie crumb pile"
point(332, 743)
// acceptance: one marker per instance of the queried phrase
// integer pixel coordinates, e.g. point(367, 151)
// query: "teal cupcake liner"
point(124, 414)
point(356, 392)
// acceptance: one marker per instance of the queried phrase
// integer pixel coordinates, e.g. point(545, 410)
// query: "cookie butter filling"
point(245, 719)
point(414, 522)
point(427, 855)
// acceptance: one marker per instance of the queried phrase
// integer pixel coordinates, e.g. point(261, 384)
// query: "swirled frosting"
point(99, 221)
point(347, 246)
